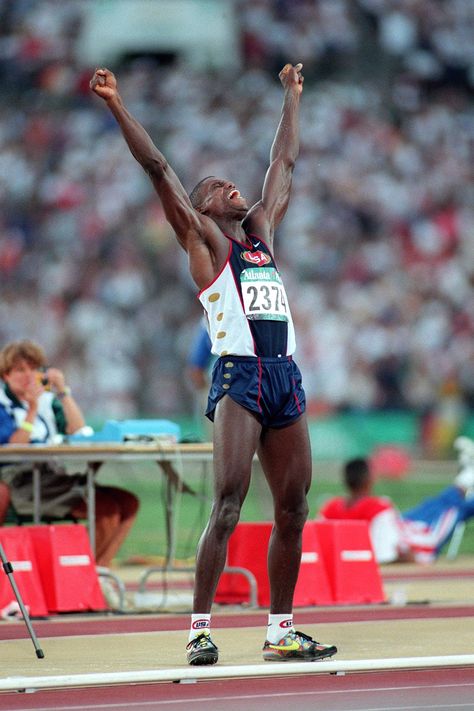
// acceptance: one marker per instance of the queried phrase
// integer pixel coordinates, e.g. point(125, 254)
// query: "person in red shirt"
point(416, 535)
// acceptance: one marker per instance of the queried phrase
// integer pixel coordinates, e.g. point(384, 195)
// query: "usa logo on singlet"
point(258, 258)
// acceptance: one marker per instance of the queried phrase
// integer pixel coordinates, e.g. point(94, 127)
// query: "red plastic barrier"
point(18, 547)
point(349, 558)
point(67, 568)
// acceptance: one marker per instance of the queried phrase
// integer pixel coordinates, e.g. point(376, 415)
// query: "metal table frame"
point(94, 455)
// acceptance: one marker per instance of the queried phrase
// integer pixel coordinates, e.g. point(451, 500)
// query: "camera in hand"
point(42, 379)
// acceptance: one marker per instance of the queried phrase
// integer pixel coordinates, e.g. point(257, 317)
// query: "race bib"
point(263, 294)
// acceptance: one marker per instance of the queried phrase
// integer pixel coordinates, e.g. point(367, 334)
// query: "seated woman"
point(35, 406)
point(416, 535)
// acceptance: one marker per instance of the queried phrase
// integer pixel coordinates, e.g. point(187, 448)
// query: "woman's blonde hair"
point(21, 350)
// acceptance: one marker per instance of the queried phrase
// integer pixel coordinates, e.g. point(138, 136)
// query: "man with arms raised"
point(256, 399)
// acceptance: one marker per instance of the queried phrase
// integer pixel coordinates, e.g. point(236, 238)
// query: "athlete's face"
point(221, 198)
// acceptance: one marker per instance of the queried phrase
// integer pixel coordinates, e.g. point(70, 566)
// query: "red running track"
point(401, 690)
point(414, 690)
point(121, 624)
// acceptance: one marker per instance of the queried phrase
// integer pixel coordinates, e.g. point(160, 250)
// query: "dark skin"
point(285, 452)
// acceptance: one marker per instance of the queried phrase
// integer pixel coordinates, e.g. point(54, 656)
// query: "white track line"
point(219, 699)
point(221, 672)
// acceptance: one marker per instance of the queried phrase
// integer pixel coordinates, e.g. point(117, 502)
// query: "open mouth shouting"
point(237, 199)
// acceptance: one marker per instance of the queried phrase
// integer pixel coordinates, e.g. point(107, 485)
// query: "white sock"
point(199, 624)
point(278, 627)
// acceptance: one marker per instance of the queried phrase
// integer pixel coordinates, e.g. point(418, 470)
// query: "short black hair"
point(356, 473)
point(195, 194)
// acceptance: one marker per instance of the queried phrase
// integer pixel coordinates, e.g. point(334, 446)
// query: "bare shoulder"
point(210, 233)
point(207, 252)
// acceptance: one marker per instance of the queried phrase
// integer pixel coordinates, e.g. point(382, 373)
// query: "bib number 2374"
point(263, 294)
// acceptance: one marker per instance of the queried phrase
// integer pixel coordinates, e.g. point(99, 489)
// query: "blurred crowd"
point(377, 247)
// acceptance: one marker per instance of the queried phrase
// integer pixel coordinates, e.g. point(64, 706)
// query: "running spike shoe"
point(202, 650)
point(296, 645)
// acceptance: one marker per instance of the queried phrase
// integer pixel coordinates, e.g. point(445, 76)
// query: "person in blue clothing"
point(198, 366)
point(256, 399)
point(37, 407)
point(199, 359)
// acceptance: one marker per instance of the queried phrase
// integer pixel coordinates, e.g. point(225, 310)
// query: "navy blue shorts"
point(269, 387)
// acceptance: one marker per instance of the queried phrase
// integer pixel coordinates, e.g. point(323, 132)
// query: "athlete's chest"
point(256, 276)
point(252, 253)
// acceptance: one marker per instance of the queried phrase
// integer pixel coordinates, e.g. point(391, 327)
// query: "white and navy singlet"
point(246, 304)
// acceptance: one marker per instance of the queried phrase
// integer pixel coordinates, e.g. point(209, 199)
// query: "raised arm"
point(265, 216)
point(186, 222)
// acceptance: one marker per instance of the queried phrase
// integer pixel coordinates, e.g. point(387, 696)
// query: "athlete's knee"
point(291, 518)
point(226, 514)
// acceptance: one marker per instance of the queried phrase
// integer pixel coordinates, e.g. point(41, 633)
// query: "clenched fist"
point(104, 84)
point(291, 75)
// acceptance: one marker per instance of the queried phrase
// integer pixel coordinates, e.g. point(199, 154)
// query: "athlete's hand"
point(291, 76)
point(104, 84)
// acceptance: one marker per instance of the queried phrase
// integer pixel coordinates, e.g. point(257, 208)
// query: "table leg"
point(36, 494)
point(90, 471)
point(174, 485)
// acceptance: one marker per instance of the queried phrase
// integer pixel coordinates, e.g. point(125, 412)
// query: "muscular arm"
point(266, 215)
point(185, 221)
